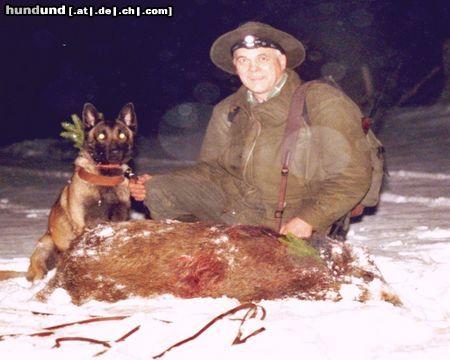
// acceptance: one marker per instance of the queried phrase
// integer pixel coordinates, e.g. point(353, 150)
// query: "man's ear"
point(283, 61)
point(234, 66)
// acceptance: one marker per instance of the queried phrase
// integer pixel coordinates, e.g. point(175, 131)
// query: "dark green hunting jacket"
point(329, 174)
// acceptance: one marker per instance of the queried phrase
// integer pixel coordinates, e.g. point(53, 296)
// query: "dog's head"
point(109, 142)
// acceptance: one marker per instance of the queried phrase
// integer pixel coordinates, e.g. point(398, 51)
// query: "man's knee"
point(178, 195)
point(161, 196)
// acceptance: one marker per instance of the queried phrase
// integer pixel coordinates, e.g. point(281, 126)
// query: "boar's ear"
point(128, 116)
point(90, 116)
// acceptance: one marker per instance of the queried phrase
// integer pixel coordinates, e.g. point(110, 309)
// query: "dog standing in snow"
point(98, 190)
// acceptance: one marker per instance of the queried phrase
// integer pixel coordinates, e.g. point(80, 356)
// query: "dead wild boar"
point(147, 258)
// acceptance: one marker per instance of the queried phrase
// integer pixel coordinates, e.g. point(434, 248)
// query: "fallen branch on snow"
point(251, 313)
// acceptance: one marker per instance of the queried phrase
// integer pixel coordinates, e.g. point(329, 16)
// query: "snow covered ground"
point(408, 236)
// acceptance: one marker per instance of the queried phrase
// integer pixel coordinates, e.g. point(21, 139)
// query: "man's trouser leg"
point(192, 193)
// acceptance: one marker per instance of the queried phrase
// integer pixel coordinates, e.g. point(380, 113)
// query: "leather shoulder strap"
point(298, 114)
point(294, 122)
point(296, 117)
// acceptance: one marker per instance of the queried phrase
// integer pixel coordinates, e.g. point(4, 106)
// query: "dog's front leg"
point(119, 212)
point(38, 261)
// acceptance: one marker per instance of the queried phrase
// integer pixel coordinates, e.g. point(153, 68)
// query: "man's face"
point(259, 69)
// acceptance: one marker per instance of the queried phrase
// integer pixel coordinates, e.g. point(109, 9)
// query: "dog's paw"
point(35, 274)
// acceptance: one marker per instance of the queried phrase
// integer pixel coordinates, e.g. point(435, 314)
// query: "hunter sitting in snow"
point(237, 178)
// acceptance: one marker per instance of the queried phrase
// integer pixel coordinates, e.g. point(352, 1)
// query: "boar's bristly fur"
point(147, 258)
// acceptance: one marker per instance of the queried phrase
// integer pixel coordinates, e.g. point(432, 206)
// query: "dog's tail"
point(7, 274)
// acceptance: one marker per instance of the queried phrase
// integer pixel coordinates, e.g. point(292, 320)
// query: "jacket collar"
point(292, 81)
point(251, 98)
point(239, 99)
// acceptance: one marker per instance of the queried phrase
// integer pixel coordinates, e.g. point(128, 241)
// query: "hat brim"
point(220, 52)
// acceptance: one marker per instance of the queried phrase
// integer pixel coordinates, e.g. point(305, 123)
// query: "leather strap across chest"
point(296, 117)
point(293, 124)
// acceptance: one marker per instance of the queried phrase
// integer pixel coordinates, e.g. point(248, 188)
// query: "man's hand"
point(298, 227)
point(137, 187)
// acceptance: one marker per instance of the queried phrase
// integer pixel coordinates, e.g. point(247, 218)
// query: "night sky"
point(52, 65)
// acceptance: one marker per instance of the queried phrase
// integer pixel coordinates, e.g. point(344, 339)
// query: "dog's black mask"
point(109, 142)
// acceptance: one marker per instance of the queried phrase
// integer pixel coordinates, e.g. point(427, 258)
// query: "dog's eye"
point(101, 136)
point(122, 136)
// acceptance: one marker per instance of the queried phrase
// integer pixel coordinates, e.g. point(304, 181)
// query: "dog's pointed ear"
point(90, 116)
point(128, 116)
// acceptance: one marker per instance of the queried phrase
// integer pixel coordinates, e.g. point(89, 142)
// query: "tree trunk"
point(445, 95)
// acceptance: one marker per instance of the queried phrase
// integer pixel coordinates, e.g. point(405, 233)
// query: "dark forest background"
point(52, 65)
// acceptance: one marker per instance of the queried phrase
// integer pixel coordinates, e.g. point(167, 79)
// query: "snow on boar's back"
point(148, 258)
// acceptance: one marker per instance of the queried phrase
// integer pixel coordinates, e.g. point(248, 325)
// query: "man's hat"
point(265, 36)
